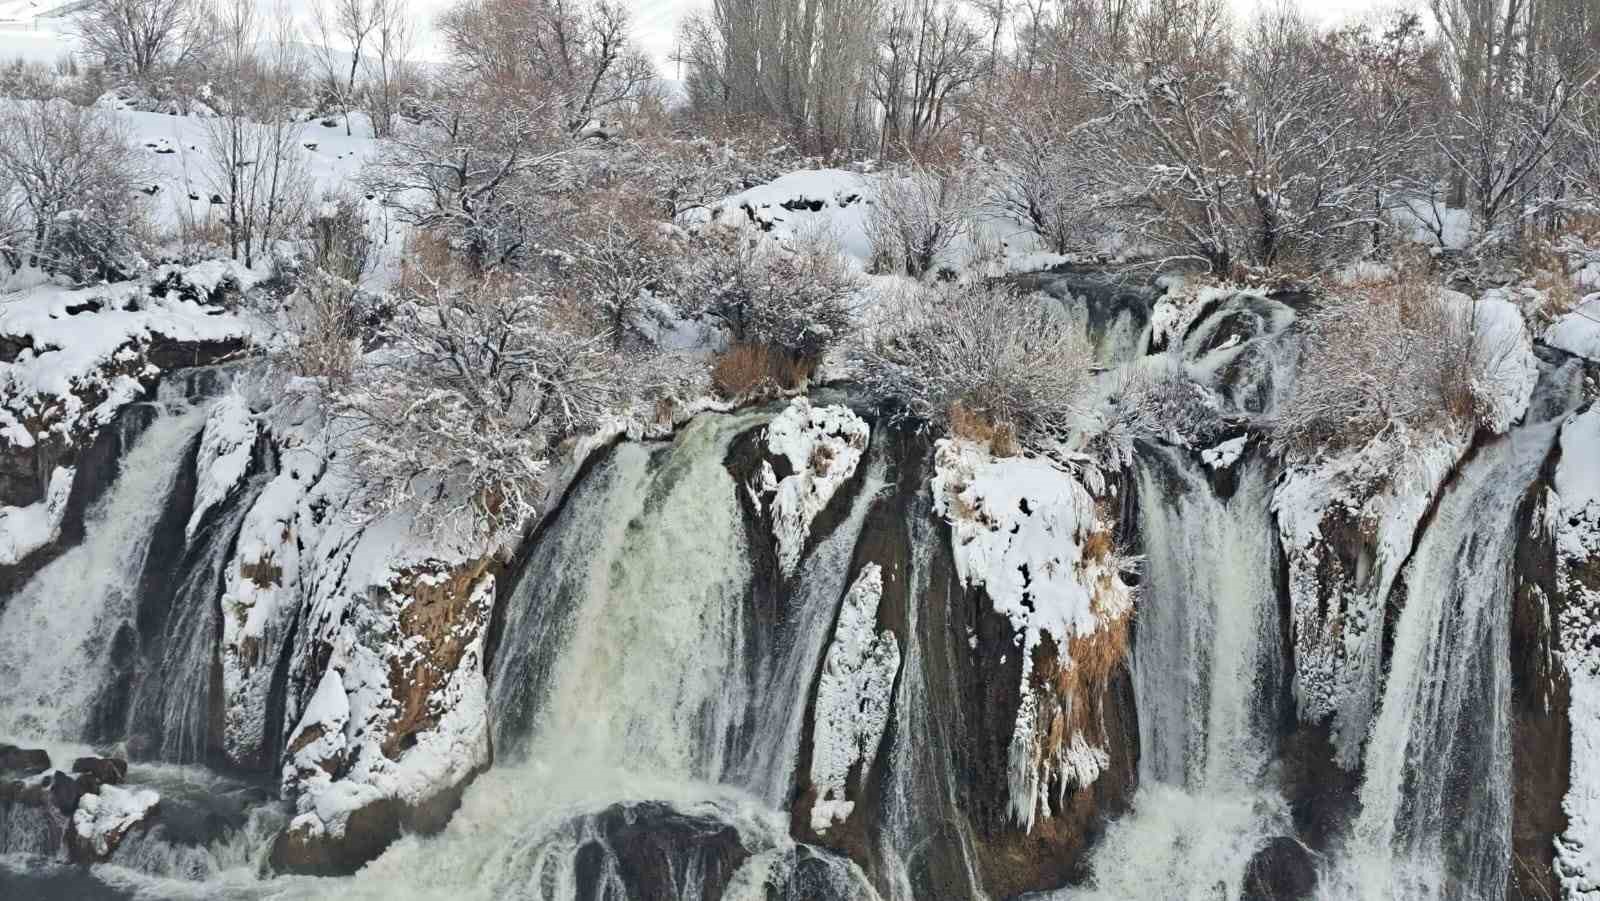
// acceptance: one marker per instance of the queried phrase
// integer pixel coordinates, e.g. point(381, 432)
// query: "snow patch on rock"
point(823, 446)
point(1020, 529)
point(24, 530)
point(1577, 523)
point(224, 456)
point(1578, 332)
point(104, 817)
point(1505, 369)
point(853, 700)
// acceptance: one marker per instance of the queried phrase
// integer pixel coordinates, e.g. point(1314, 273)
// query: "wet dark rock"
point(64, 792)
point(22, 760)
point(651, 848)
point(1283, 870)
point(109, 770)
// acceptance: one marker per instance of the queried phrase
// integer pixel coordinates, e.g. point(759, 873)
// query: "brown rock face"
point(946, 764)
point(441, 617)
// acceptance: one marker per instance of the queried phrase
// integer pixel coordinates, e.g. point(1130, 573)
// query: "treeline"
point(1185, 131)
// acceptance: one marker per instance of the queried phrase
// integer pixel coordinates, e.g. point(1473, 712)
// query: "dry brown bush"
point(746, 371)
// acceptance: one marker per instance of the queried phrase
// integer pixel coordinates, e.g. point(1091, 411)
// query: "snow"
point(844, 199)
point(1578, 332)
point(1505, 370)
point(103, 817)
point(823, 446)
point(318, 744)
point(1577, 521)
point(1225, 454)
point(84, 348)
point(224, 456)
point(1018, 528)
point(24, 530)
point(854, 695)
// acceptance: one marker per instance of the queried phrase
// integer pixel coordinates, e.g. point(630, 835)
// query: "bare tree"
point(916, 216)
point(253, 156)
point(1004, 356)
point(342, 27)
point(140, 36)
point(927, 56)
point(388, 66)
point(795, 299)
point(577, 56)
point(74, 172)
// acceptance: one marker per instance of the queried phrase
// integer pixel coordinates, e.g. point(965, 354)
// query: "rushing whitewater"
point(1444, 723)
point(65, 630)
point(1208, 682)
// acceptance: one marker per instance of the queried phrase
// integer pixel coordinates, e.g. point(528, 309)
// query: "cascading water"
point(1435, 815)
point(1208, 682)
point(169, 717)
point(920, 797)
point(628, 712)
point(62, 632)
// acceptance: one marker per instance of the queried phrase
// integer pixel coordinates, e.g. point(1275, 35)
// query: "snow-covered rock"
point(224, 456)
point(103, 818)
point(1031, 537)
point(1505, 369)
point(1578, 331)
point(24, 530)
point(823, 446)
point(1575, 512)
point(853, 700)
point(812, 203)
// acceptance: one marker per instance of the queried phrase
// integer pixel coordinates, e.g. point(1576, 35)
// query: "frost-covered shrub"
point(1379, 354)
point(988, 348)
point(1154, 399)
point(474, 388)
point(915, 217)
point(794, 299)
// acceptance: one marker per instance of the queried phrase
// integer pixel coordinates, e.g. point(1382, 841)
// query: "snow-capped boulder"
point(102, 819)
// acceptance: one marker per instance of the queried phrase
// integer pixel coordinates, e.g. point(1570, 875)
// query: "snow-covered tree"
point(796, 300)
point(474, 169)
point(916, 216)
point(476, 386)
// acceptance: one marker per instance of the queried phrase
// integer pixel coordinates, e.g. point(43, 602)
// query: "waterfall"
point(1435, 815)
point(1208, 683)
point(65, 630)
point(640, 739)
point(920, 819)
point(169, 716)
point(1208, 661)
